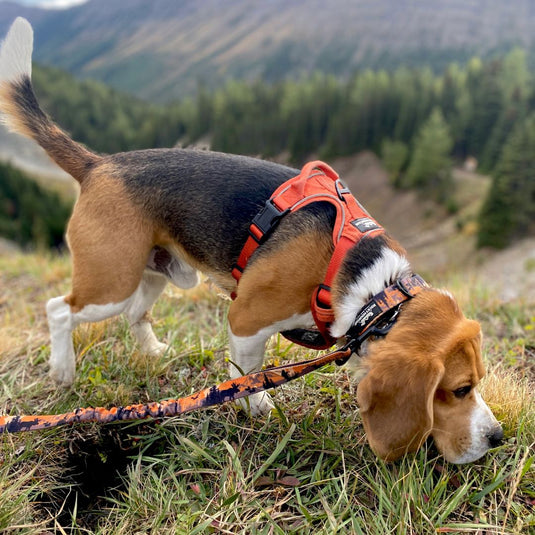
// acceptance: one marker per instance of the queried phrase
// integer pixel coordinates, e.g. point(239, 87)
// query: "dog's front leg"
point(247, 355)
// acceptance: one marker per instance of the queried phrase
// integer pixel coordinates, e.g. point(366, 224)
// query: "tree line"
point(30, 215)
point(417, 121)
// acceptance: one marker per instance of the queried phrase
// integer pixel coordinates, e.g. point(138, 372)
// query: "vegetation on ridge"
point(477, 111)
point(29, 213)
point(483, 111)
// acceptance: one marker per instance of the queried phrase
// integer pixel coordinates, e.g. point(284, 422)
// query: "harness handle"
point(222, 393)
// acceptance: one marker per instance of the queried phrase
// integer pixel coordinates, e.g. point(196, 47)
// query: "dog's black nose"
point(495, 437)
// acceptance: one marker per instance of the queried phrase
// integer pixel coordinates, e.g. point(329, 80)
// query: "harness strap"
point(226, 391)
point(316, 182)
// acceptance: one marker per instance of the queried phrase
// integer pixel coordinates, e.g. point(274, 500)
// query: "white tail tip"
point(16, 52)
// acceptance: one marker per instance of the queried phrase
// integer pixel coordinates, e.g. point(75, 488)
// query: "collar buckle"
point(379, 315)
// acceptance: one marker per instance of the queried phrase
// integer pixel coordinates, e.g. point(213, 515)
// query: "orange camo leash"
point(222, 393)
point(375, 319)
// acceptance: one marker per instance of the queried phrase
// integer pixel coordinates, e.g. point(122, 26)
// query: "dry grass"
point(304, 469)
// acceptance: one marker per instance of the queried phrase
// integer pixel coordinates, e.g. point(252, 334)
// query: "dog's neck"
point(363, 275)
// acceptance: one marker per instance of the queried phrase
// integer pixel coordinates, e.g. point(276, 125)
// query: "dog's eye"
point(462, 392)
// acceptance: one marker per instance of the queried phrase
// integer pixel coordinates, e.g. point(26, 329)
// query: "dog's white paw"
point(62, 375)
point(148, 343)
point(257, 404)
point(158, 349)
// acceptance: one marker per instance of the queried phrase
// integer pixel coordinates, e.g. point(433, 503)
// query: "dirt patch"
point(93, 467)
point(511, 272)
point(8, 247)
point(404, 214)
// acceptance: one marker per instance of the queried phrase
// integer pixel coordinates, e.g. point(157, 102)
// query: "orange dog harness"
point(316, 182)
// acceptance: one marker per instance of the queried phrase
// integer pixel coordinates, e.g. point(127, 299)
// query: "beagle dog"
point(149, 217)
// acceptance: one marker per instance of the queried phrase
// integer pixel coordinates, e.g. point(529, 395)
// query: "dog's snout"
point(495, 437)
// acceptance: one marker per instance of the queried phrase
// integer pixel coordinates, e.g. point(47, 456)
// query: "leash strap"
point(226, 391)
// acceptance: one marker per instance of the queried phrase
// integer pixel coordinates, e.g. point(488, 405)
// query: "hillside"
point(28, 156)
point(441, 244)
point(161, 50)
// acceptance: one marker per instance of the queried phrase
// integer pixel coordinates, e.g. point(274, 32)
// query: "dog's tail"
point(20, 111)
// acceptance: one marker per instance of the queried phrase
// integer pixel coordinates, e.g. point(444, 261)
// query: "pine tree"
point(394, 156)
point(29, 213)
point(430, 166)
point(487, 105)
point(509, 209)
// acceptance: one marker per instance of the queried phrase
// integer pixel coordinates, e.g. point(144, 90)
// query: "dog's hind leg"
point(110, 246)
point(162, 267)
point(138, 314)
point(62, 321)
point(61, 324)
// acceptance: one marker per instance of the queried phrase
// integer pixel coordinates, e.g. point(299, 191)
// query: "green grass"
point(305, 468)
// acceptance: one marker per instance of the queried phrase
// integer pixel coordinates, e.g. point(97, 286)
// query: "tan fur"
point(464, 366)
point(72, 157)
point(110, 242)
point(106, 270)
point(10, 115)
point(399, 414)
point(285, 280)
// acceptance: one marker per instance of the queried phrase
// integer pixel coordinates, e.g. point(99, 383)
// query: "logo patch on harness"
point(365, 224)
point(368, 313)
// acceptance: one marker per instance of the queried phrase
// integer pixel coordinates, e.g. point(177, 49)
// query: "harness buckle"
point(341, 189)
point(265, 222)
point(323, 296)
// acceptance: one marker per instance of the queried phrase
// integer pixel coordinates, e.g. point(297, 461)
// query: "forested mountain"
point(161, 49)
point(418, 120)
point(29, 213)
point(419, 123)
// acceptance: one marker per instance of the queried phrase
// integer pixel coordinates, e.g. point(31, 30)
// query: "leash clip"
point(380, 328)
point(341, 361)
point(353, 346)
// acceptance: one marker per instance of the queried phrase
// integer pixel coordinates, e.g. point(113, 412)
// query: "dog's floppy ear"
point(396, 404)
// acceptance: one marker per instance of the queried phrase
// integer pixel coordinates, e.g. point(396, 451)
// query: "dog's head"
point(422, 381)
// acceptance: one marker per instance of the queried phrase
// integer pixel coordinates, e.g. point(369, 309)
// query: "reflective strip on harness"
point(317, 182)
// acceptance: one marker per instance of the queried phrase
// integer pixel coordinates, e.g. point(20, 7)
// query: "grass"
point(305, 468)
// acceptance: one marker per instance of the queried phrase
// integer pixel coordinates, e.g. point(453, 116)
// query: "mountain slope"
point(162, 49)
